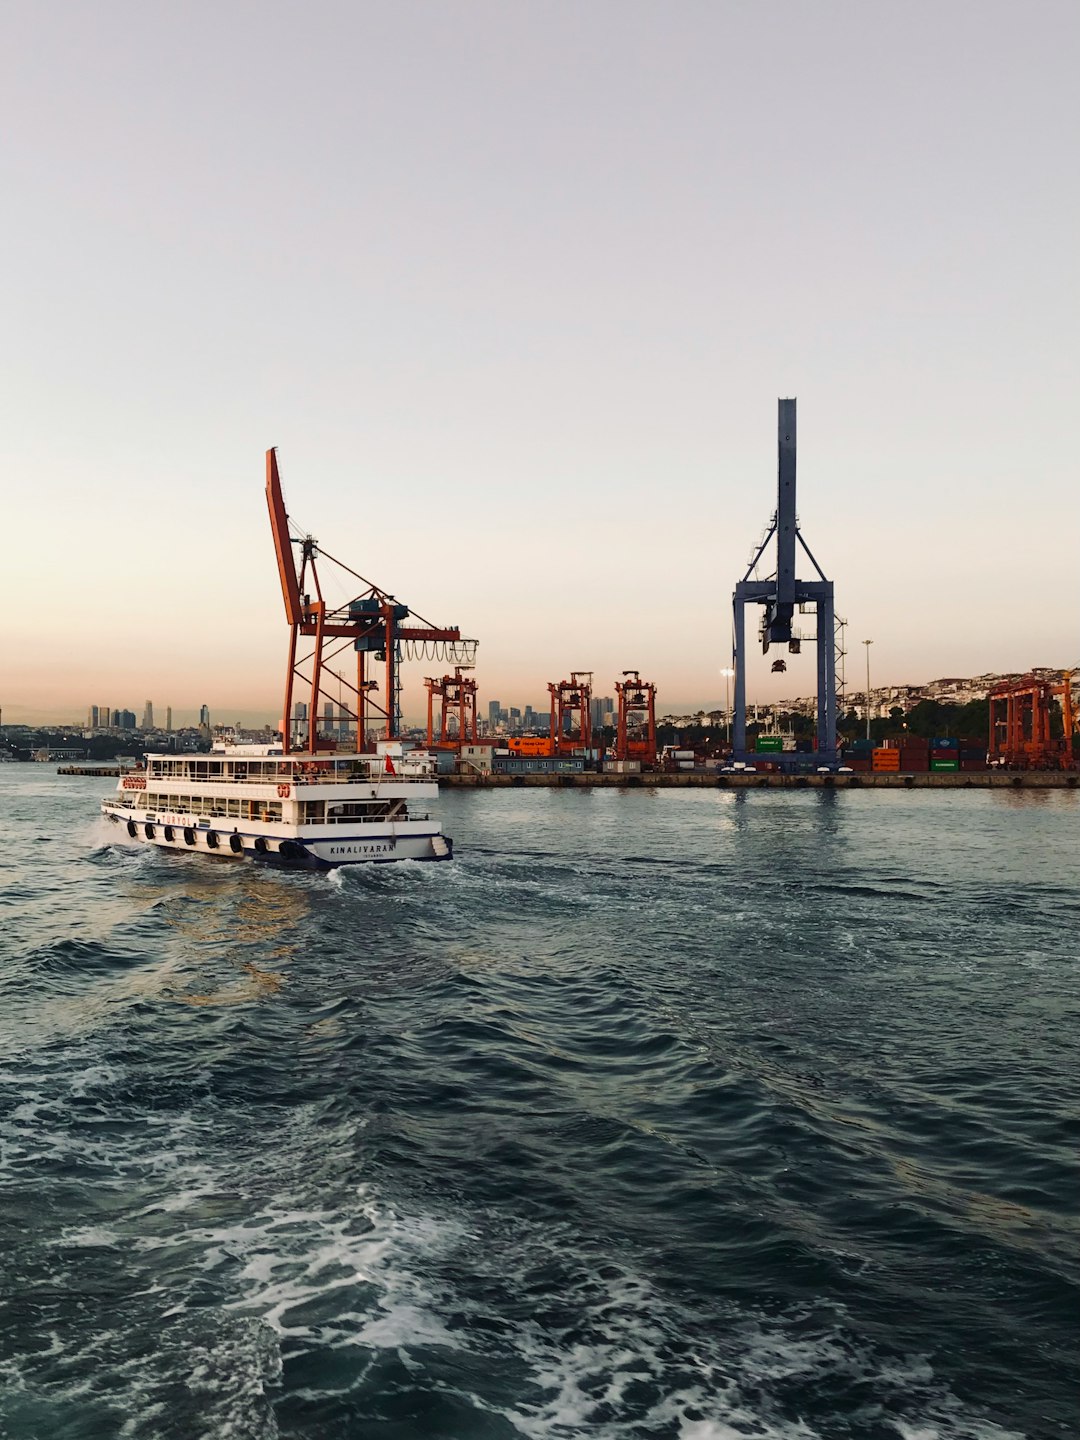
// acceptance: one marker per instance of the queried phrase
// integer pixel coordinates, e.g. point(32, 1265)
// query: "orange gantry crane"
point(635, 732)
point(1020, 724)
point(370, 626)
point(571, 716)
point(457, 709)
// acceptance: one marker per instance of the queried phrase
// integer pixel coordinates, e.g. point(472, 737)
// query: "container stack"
point(885, 759)
point(973, 754)
point(944, 755)
point(914, 755)
point(858, 756)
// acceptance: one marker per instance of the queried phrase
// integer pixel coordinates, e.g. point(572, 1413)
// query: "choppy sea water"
point(698, 1115)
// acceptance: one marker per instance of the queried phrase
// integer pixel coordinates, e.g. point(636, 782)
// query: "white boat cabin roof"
point(263, 766)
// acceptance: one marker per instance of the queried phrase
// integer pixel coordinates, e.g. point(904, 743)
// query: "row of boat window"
point(215, 805)
point(318, 812)
point(222, 769)
point(248, 769)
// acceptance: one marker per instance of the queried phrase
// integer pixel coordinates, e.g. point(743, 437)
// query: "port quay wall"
point(709, 779)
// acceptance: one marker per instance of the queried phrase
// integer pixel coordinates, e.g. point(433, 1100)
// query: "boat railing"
point(369, 777)
point(330, 777)
point(365, 820)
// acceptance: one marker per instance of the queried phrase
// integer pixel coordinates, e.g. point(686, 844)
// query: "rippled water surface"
point(677, 1114)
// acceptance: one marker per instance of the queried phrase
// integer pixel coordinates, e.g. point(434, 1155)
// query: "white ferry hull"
point(305, 813)
point(297, 852)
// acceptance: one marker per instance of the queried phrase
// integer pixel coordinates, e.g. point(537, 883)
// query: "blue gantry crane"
point(781, 594)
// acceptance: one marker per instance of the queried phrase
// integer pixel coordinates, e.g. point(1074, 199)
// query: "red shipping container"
point(973, 765)
point(916, 762)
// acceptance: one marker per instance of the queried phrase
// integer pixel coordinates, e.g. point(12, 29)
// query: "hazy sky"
point(515, 287)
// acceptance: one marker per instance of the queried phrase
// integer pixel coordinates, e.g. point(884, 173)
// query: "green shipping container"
point(769, 745)
point(944, 764)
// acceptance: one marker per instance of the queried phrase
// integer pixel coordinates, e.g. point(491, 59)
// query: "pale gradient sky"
point(515, 288)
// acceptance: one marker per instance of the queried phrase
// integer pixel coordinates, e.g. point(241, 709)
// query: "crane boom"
point(279, 524)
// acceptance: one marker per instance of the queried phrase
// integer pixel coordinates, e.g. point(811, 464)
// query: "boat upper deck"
point(223, 769)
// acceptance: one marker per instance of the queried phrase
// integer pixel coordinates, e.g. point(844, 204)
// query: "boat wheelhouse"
point(309, 812)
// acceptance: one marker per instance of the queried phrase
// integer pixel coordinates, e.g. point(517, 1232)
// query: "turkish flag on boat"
point(390, 766)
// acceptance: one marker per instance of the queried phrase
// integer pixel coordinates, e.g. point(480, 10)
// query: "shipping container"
point(769, 744)
point(973, 764)
point(859, 763)
point(914, 762)
point(886, 760)
point(530, 744)
point(622, 767)
point(944, 765)
point(945, 744)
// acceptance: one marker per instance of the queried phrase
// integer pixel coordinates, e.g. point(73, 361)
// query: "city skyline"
point(955, 688)
point(537, 399)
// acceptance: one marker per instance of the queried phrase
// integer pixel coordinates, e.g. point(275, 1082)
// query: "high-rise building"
point(148, 715)
point(92, 718)
point(300, 710)
point(528, 720)
point(105, 717)
point(168, 718)
point(204, 717)
point(124, 719)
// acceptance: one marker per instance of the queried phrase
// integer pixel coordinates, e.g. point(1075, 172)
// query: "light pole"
point(868, 643)
point(727, 674)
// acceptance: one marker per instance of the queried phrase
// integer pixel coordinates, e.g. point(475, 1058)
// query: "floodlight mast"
point(780, 594)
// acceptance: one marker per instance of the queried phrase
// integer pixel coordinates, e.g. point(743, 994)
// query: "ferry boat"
point(305, 812)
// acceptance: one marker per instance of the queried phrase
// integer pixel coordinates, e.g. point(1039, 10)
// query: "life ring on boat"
point(284, 791)
point(149, 831)
point(236, 845)
point(211, 840)
point(169, 833)
point(189, 835)
point(132, 828)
